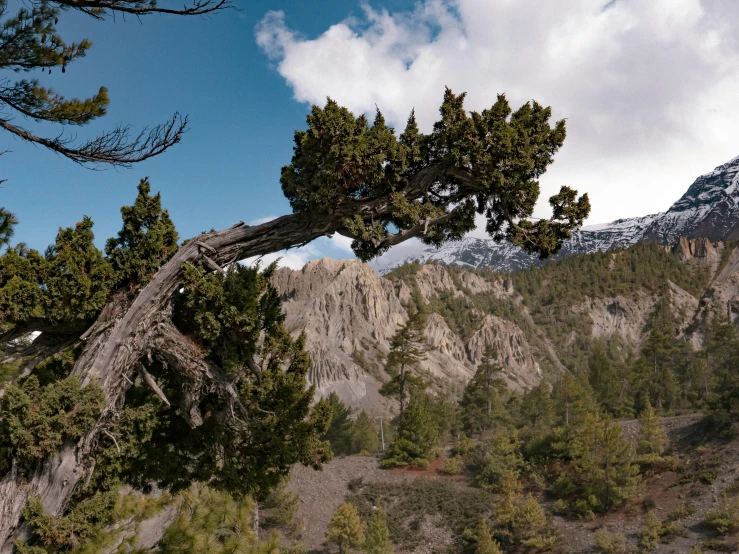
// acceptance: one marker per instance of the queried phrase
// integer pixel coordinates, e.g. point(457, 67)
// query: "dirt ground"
point(322, 491)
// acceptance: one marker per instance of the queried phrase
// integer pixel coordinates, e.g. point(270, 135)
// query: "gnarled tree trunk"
point(124, 333)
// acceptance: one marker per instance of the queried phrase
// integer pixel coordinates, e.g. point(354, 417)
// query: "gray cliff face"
point(709, 209)
point(349, 313)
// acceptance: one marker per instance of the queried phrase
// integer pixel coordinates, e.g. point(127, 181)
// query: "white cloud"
point(294, 259)
point(342, 244)
point(260, 220)
point(648, 88)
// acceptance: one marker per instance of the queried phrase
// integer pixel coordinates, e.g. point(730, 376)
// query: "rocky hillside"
point(349, 313)
point(540, 320)
point(709, 209)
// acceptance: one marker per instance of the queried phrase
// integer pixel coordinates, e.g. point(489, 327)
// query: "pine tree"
point(407, 351)
point(484, 543)
point(7, 223)
point(377, 539)
point(604, 464)
point(722, 358)
point(482, 400)
point(604, 379)
point(417, 435)
point(147, 240)
point(495, 460)
point(279, 507)
point(574, 398)
point(345, 530)
point(652, 437)
point(338, 433)
point(537, 407)
point(365, 434)
point(655, 376)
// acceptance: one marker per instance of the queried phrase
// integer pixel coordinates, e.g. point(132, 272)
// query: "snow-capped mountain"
point(709, 209)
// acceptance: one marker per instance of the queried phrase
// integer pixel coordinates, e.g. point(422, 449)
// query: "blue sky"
point(242, 119)
point(648, 90)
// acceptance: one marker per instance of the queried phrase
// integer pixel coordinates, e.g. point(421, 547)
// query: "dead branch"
point(114, 148)
point(149, 380)
point(100, 8)
point(114, 441)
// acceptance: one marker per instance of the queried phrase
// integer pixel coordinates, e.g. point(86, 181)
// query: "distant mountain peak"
point(708, 209)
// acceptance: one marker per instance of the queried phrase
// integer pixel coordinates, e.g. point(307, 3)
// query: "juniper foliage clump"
point(433, 185)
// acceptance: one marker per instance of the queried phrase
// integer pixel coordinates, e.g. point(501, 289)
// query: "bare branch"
point(114, 148)
point(211, 264)
point(149, 380)
point(100, 8)
point(114, 441)
point(420, 229)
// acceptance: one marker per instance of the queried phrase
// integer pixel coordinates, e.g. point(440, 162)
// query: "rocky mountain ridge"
point(708, 209)
point(349, 313)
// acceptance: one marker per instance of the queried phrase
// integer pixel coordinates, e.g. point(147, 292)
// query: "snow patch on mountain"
point(709, 209)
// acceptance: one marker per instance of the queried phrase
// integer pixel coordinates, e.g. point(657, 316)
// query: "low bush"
point(725, 519)
point(608, 543)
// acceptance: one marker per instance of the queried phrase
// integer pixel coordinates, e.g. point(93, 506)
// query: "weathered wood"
point(149, 380)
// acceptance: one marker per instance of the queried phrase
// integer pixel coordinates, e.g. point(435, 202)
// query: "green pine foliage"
point(652, 441)
point(78, 279)
point(483, 402)
point(523, 525)
point(605, 379)
point(279, 508)
point(495, 459)
point(8, 221)
point(350, 436)
point(213, 522)
point(654, 377)
point(537, 407)
point(417, 435)
point(606, 475)
point(95, 524)
point(67, 286)
point(235, 318)
point(147, 240)
point(365, 434)
point(341, 157)
point(480, 540)
point(339, 431)
point(610, 543)
point(36, 420)
point(377, 538)
point(345, 530)
point(407, 351)
point(725, 519)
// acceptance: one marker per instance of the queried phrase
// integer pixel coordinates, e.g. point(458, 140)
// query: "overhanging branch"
point(114, 148)
point(99, 8)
